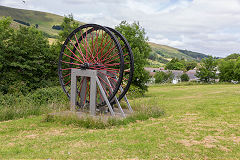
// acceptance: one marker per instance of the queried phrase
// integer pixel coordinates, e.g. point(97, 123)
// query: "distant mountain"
point(44, 21)
point(163, 53)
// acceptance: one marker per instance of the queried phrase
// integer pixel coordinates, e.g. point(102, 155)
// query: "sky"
point(207, 26)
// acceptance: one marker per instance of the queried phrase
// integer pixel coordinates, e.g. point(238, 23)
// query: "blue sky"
point(207, 26)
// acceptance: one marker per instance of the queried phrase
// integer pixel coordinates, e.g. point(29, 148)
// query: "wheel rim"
point(128, 63)
point(91, 47)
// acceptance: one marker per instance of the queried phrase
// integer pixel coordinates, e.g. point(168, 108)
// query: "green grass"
point(43, 19)
point(200, 122)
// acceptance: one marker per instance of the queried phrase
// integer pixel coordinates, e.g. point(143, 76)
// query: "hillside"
point(163, 53)
point(44, 20)
point(159, 56)
point(195, 55)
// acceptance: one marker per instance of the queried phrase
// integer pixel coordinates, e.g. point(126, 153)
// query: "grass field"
point(200, 122)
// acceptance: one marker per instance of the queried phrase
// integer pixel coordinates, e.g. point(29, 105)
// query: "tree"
point(232, 56)
point(190, 65)
point(184, 77)
point(68, 25)
point(237, 70)
point(207, 71)
point(5, 33)
point(137, 39)
point(175, 64)
point(226, 68)
point(162, 77)
point(27, 62)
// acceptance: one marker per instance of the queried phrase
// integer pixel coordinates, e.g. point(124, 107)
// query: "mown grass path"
point(200, 122)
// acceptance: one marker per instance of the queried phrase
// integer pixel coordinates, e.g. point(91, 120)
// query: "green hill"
point(160, 54)
point(163, 53)
point(44, 20)
point(195, 55)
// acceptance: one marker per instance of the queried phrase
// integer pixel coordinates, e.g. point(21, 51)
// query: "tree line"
point(176, 64)
point(22, 22)
point(209, 70)
point(226, 69)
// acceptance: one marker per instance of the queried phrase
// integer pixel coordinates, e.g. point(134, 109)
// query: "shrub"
point(162, 77)
point(184, 77)
point(135, 92)
point(48, 95)
point(57, 27)
point(26, 61)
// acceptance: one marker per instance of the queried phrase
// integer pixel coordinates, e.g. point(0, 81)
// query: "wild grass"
point(41, 101)
point(141, 113)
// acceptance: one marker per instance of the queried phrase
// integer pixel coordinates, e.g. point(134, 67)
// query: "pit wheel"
point(92, 47)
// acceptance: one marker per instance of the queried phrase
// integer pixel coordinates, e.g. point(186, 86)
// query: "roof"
point(191, 74)
point(177, 73)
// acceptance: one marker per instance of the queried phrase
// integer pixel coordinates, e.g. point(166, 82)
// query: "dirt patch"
point(31, 136)
point(225, 149)
point(55, 132)
point(6, 121)
point(208, 142)
point(189, 117)
point(10, 144)
point(81, 144)
point(188, 143)
point(235, 139)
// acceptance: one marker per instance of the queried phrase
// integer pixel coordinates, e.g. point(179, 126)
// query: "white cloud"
point(209, 26)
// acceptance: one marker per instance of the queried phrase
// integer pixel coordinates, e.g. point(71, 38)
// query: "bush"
point(135, 91)
point(184, 77)
point(38, 102)
point(26, 61)
point(162, 77)
point(57, 27)
point(49, 95)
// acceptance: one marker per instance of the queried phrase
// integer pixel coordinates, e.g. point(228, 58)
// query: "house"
point(192, 75)
point(177, 74)
point(151, 70)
